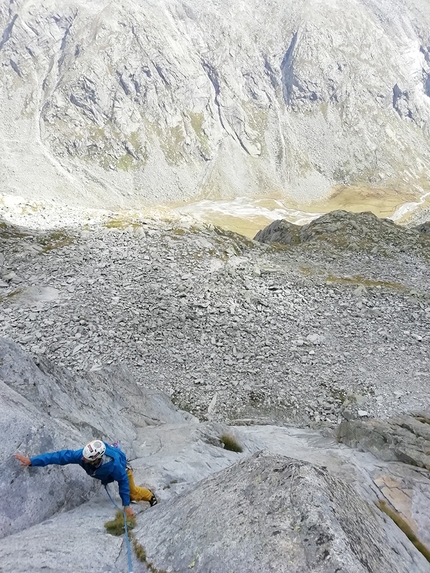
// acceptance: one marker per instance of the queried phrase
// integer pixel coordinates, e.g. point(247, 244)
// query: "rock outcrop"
point(424, 228)
point(280, 231)
point(269, 346)
point(360, 232)
point(405, 439)
point(274, 514)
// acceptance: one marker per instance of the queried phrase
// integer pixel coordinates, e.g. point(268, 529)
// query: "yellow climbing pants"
point(137, 493)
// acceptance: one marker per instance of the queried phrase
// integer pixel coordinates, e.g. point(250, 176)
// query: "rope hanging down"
point(127, 540)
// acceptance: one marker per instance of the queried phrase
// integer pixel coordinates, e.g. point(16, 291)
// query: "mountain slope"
point(133, 103)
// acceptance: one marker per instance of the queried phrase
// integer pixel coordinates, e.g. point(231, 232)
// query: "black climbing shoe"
point(153, 500)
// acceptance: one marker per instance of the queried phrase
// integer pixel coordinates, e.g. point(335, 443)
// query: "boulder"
point(280, 231)
point(273, 513)
point(403, 438)
point(423, 228)
point(357, 231)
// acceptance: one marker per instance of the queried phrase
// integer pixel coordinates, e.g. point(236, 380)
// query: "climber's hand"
point(23, 459)
point(128, 511)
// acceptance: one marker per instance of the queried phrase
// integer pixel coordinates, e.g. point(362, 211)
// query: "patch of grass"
point(116, 526)
point(422, 419)
point(240, 242)
point(125, 162)
point(193, 562)
point(55, 240)
point(307, 271)
point(230, 443)
point(8, 231)
point(121, 223)
point(340, 395)
point(10, 295)
point(277, 247)
point(361, 281)
point(257, 118)
point(170, 140)
point(139, 550)
point(116, 224)
point(49, 241)
point(140, 553)
point(404, 526)
point(178, 231)
point(197, 120)
point(130, 159)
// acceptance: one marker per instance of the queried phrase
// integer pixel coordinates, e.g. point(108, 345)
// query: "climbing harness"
point(127, 540)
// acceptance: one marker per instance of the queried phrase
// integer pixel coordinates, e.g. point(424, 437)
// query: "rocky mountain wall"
point(130, 103)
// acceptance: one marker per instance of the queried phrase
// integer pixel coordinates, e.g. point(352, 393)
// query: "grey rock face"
point(273, 514)
point(145, 101)
point(424, 228)
point(406, 485)
point(359, 232)
point(46, 408)
point(233, 330)
point(405, 439)
point(280, 231)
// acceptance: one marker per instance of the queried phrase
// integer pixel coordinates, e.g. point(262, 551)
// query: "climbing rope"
point(127, 540)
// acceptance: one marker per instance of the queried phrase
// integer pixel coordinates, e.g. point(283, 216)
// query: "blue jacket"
point(112, 469)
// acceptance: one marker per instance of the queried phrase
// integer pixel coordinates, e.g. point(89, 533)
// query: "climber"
point(100, 461)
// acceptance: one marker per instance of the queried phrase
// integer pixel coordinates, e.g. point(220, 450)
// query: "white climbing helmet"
point(94, 450)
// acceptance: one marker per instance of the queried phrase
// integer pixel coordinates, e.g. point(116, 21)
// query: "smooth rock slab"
point(47, 408)
point(73, 542)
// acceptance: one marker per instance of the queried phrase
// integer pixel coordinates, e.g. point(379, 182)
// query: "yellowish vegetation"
point(405, 527)
point(362, 281)
point(354, 198)
point(122, 222)
point(230, 443)
point(55, 240)
point(170, 139)
point(197, 120)
point(423, 420)
point(116, 527)
point(10, 295)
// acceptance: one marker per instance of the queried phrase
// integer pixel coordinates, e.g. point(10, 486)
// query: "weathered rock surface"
point(46, 408)
point(273, 514)
point(130, 103)
point(402, 439)
point(280, 231)
point(305, 503)
point(361, 232)
point(424, 228)
point(405, 438)
point(243, 335)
